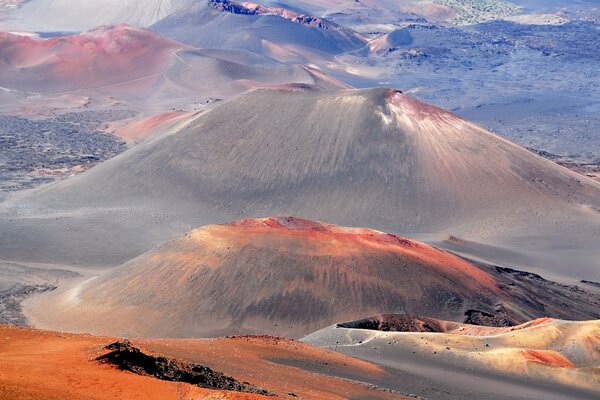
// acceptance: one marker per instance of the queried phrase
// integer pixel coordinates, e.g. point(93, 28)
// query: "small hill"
point(288, 276)
point(97, 58)
point(279, 33)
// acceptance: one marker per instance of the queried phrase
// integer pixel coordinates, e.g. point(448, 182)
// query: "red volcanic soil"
point(548, 358)
point(285, 276)
point(52, 365)
point(416, 110)
point(316, 238)
point(261, 356)
point(140, 129)
point(104, 56)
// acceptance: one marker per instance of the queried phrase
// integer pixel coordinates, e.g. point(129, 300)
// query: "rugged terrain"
point(125, 124)
point(39, 151)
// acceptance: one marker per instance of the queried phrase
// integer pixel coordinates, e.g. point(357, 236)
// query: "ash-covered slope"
point(372, 157)
point(140, 66)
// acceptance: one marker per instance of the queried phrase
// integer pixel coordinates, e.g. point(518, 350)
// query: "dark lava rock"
point(477, 317)
point(394, 323)
point(129, 358)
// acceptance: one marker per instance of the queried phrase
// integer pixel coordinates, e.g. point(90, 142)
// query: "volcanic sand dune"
point(373, 157)
point(553, 356)
point(288, 276)
point(51, 365)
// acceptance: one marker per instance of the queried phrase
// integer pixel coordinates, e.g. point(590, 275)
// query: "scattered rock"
point(394, 323)
point(125, 356)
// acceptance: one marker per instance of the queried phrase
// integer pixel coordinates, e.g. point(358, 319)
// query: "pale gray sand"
point(19, 282)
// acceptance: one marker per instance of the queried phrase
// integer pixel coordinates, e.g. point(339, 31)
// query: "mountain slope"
point(372, 157)
point(141, 68)
point(288, 276)
point(278, 33)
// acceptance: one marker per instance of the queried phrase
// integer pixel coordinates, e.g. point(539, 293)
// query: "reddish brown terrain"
point(52, 365)
point(284, 276)
point(91, 60)
point(139, 129)
point(289, 276)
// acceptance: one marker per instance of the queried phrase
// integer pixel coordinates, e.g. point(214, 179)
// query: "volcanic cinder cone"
point(282, 276)
point(375, 158)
